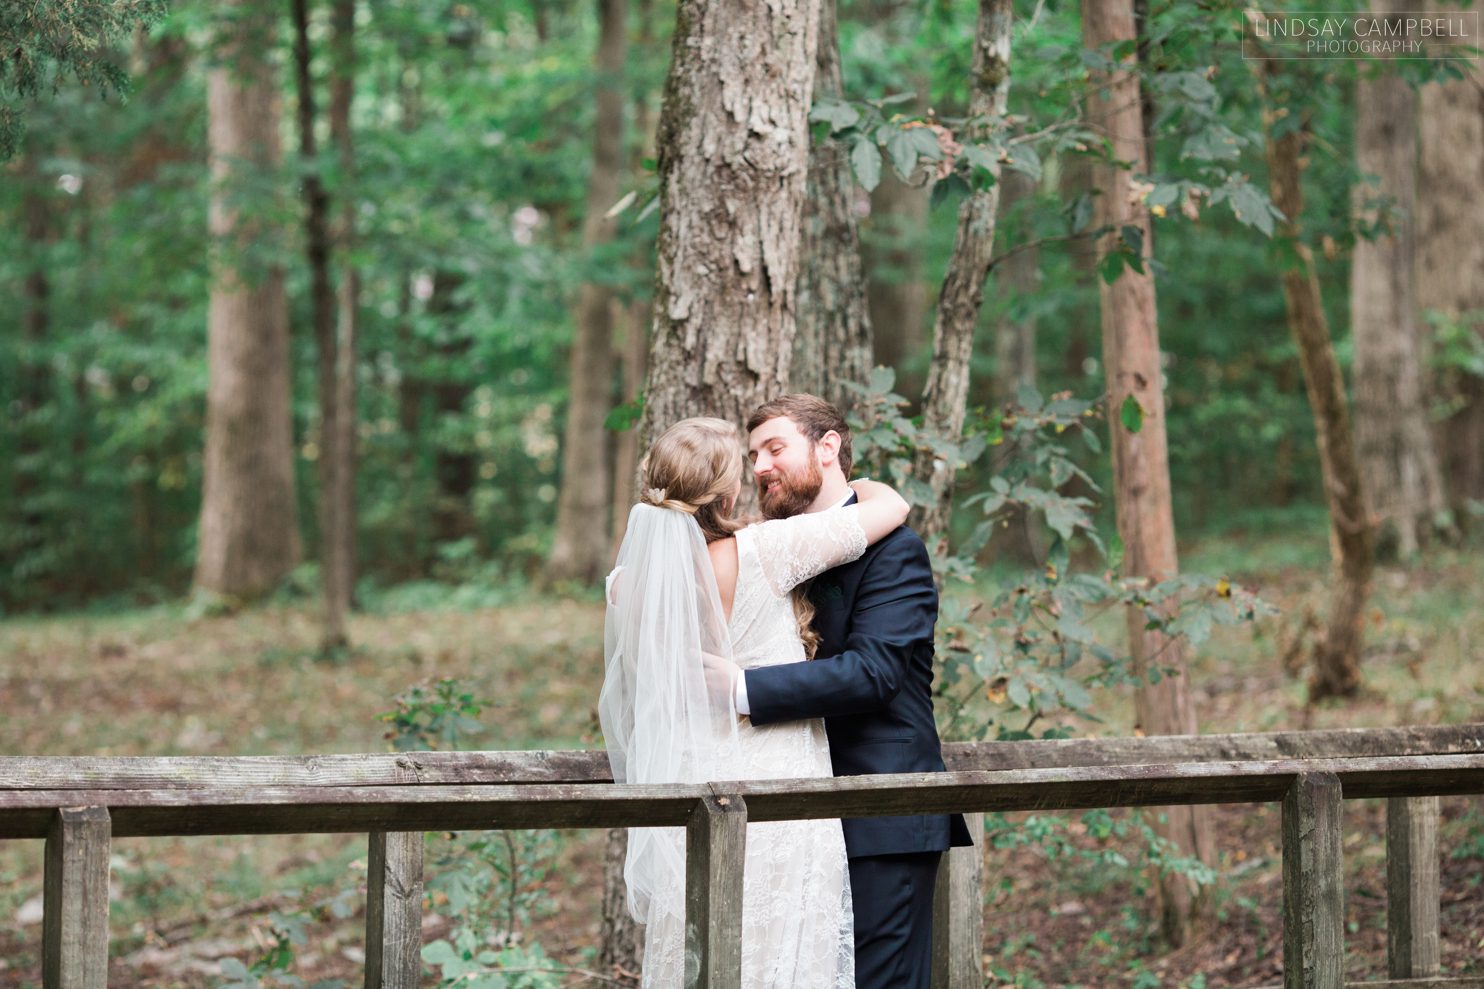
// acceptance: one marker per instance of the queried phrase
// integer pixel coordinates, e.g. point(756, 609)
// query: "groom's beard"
point(794, 492)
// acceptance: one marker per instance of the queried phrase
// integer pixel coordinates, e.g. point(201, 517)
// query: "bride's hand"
point(721, 679)
point(882, 509)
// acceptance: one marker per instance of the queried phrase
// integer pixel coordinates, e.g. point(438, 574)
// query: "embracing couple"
point(798, 645)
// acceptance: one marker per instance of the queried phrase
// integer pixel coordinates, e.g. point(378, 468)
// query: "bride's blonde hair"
point(694, 467)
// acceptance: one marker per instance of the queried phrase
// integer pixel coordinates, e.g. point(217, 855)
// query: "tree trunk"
point(734, 149)
point(896, 296)
point(1337, 653)
point(580, 549)
point(1141, 473)
point(454, 468)
point(1450, 254)
point(249, 531)
point(339, 453)
point(36, 379)
point(1082, 253)
point(833, 345)
point(621, 938)
point(945, 397)
point(323, 317)
point(1398, 459)
point(634, 357)
point(1019, 278)
point(635, 319)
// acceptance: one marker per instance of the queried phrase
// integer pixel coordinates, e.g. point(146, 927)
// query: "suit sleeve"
point(896, 606)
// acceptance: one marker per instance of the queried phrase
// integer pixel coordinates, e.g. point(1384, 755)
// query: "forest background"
point(408, 251)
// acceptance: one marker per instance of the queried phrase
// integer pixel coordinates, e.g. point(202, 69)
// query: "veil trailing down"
point(659, 723)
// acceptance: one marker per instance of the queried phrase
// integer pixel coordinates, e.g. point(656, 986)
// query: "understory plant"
point(1021, 652)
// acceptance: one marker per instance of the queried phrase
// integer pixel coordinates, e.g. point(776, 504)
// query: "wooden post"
point(1313, 894)
point(1412, 887)
point(394, 910)
point(715, 843)
point(74, 953)
point(958, 914)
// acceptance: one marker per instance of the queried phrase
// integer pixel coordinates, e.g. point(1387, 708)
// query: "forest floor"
point(168, 680)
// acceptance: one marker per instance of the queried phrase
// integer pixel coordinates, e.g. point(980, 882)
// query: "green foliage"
point(273, 969)
point(493, 883)
point(1031, 647)
point(443, 716)
point(51, 42)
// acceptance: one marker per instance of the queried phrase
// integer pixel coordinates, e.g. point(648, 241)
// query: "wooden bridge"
point(77, 805)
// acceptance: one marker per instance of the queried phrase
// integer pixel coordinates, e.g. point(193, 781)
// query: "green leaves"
point(1131, 414)
point(866, 162)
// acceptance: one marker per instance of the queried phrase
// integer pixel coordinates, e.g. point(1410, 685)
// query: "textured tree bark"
point(580, 548)
point(1141, 472)
point(733, 148)
point(621, 938)
point(1337, 652)
point(834, 344)
point(1450, 252)
point(945, 397)
point(249, 532)
point(1398, 457)
point(339, 563)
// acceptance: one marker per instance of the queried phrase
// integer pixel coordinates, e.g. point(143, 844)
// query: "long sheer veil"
point(659, 723)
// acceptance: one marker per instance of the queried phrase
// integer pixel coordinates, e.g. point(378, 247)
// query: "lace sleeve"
point(792, 550)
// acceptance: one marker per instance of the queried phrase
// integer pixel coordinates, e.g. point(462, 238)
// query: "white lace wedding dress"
point(796, 916)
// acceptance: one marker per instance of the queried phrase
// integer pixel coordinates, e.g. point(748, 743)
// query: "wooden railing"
point(79, 804)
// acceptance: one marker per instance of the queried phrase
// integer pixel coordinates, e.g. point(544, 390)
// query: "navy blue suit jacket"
point(872, 683)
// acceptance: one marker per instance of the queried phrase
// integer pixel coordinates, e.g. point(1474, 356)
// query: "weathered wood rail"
point(77, 805)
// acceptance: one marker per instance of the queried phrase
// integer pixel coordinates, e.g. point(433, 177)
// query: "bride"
point(692, 578)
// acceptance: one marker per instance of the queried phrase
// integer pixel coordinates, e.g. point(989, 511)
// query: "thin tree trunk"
point(945, 398)
point(1019, 278)
point(1337, 652)
point(323, 317)
point(1450, 253)
point(834, 344)
point(896, 296)
point(249, 532)
point(1082, 252)
point(1141, 470)
point(454, 469)
point(339, 453)
point(734, 148)
point(1398, 458)
point(36, 381)
point(634, 320)
point(580, 549)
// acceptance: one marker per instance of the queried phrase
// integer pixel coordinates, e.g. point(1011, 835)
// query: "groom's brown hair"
point(814, 417)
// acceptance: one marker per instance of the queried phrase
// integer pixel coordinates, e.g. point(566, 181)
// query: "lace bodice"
point(773, 558)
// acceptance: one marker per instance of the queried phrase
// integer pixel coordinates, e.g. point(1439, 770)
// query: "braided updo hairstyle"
point(694, 467)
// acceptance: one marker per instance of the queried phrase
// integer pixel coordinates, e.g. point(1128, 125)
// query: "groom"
point(872, 683)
